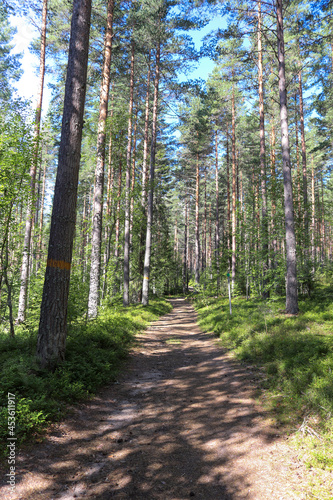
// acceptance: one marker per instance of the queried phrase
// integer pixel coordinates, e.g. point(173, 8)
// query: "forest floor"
point(180, 422)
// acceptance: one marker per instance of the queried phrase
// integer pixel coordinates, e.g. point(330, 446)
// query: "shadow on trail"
point(172, 429)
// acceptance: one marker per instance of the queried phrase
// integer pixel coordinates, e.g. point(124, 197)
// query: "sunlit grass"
point(294, 356)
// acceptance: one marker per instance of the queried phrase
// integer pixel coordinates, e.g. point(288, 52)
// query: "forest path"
point(180, 423)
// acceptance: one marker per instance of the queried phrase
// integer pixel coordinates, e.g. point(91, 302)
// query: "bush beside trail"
point(294, 355)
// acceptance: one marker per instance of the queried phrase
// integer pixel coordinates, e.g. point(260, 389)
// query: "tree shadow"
point(179, 424)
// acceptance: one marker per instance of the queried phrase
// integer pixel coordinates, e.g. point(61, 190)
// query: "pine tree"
point(291, 283)
point(53, 318)
point(95, 271)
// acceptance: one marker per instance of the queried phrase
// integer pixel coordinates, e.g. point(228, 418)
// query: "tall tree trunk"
point(228, 195)
point(264, 219)
point(273, 184)
point(304, 166)
point(185, 250)
point(109, 190)
point(145, 142)
point(36, 223)
point(313, 203)
point(29, 215)
point(128, 186)
point(95, 270)
point(109, 201)
point(116, 245)
point(146, 271)
point(53, 318)
point(133, 174)
point(210, 239)
point(233, 228)
point(217, 220)
point(322, 222)
point(197, 229)
point(299, 204)
point(204, 243)
point(144, 180)
point(41, 219)
point(83, 236)
point(291, 284)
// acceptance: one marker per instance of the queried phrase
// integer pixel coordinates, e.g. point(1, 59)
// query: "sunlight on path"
point(180, 423)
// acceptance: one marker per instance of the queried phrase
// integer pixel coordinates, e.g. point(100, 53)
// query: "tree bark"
point(133, 173)
point(110, 167)
point(116, 245)
point(144, 181)
point(29, 215)
point(185, 290)
point(95, 270)
point(264, 219)
point(197, 228)
point(128, 186)
point(83, 236)
point(145, 142)
point(228, 195)
point(53, 318)
point(204, 242)
point(273, 183)
point(209, 254)
point(299, 204)
point(146, 271)
point(41, 219)
point(217, 220)
point(313, 203)
point(233, 223)
point(291, 281)
point(304, 166)
point(109, 202)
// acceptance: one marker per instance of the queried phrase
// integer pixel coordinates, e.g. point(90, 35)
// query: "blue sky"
point(27, 86)
point(205, 65)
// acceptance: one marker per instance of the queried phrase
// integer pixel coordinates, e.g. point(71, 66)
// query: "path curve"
point(179, 423)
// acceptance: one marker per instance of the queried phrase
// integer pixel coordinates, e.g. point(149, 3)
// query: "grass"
point(295, 358)
point(94, 353)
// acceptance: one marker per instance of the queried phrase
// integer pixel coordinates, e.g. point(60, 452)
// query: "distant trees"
point(162, 205)
point(254, 248)
point(33, 171)
point(10, 70)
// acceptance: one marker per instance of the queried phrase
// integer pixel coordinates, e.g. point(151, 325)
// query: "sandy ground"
point(179, 423)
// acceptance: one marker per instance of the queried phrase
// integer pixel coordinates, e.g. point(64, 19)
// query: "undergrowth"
point(295, 357)
point(94, 352)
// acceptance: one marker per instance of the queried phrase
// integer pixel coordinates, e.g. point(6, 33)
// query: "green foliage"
point(78, 297)
point(9, 63)
point(94, 353)
point(297, 352)
point(295, 356)
point(15, 156)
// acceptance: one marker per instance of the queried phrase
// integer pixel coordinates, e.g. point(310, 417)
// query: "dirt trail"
point(179, 423)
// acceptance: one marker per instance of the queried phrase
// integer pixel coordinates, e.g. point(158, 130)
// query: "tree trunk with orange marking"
point(53, 318)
